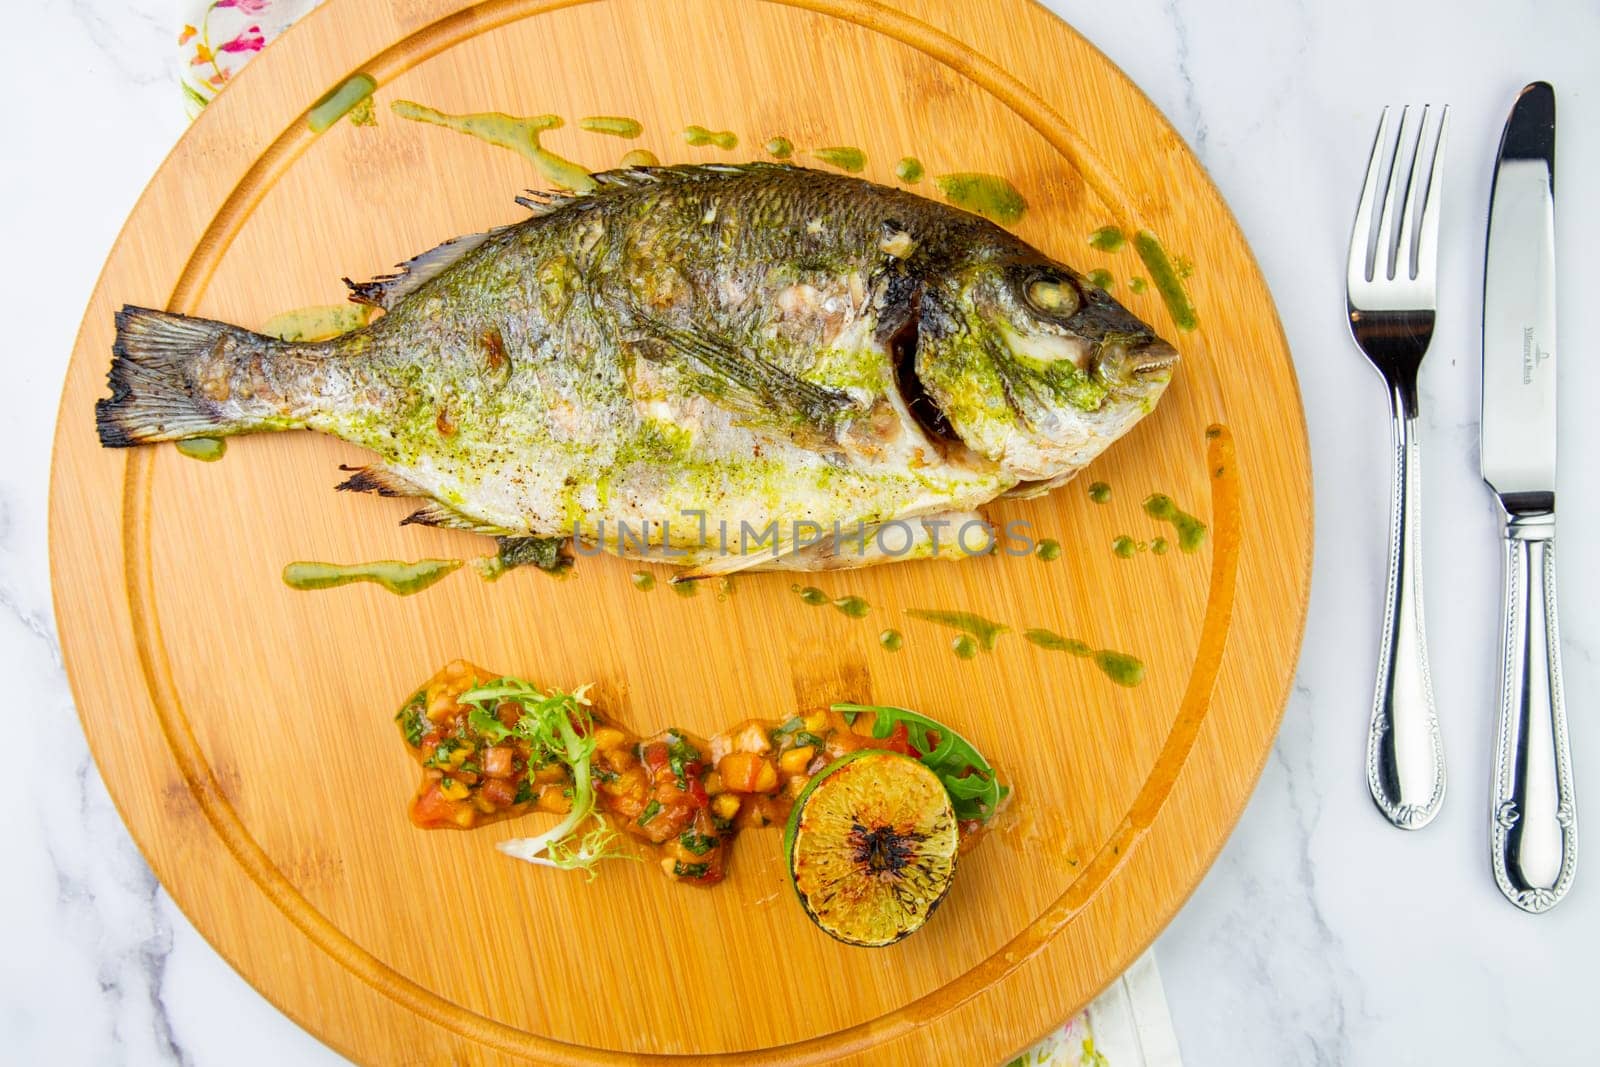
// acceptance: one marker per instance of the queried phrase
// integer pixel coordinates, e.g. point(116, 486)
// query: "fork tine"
point(1405, 266)
point(1383, 265)
point(1428, 241)
point(1356, 271)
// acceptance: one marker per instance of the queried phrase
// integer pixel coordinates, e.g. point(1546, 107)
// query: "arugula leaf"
point(975, 790)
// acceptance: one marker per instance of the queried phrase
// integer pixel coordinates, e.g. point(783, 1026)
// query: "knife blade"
point(1533, 833)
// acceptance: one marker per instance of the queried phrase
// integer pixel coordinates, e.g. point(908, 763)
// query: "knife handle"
point(1533, 839)
point(1405, 752)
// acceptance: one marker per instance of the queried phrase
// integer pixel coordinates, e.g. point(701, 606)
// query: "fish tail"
point(160, 390)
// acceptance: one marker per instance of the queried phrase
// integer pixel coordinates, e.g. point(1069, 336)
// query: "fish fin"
point(445, 517)
point(542, 201)
point(155, 394)
point(721, 567)
point(380, 480)
point(387, 290)
point(763, 393)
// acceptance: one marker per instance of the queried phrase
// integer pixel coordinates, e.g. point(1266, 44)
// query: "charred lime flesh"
point(872, 847)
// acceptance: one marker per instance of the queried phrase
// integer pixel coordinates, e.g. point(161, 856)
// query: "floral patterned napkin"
point(1128, 1024)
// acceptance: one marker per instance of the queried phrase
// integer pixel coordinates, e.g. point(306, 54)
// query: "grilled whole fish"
point(684, 356)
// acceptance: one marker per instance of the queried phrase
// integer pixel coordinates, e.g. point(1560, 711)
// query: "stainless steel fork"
point(1391, 289)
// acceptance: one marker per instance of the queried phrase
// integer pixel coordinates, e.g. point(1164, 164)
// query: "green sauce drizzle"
point(1138, 285)
point(1048, 550)
point(811, 595)
point(613, 125)
point(643, 581)
point(699, 137)
point(317, 323)
point(779, 148)
point(1099, 492)
point(1167, 280)
point(1123, 546)
point(1159, 546)
point(964, 647)
point(989, 195)
point(1100, 278)
point(909, 170)
point(402, 579)
point(1191, 531)
point(852, 160)
point(1054, 642)
point(507, 131)
point(987, 631)
point(853, 606)
point(338, 101)
point(1107, 239)
point(208, 449)
point(640, 157)
point(1120, 667)
point(686, 589)
point(891, 640)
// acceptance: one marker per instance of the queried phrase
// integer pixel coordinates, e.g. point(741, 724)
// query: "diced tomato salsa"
point(684, 796)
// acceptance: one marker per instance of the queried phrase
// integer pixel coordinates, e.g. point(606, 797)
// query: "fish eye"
point(1052, 296)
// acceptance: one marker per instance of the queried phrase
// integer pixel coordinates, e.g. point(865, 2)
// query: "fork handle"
point(1534, 836)
point(1405, 752)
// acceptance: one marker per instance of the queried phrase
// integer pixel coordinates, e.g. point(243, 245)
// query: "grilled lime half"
point(872, 847)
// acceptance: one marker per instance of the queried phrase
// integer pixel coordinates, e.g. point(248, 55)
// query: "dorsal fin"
point(387, 290)
point(542, 202)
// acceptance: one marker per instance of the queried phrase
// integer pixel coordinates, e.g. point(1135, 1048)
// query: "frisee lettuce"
point(558, 727)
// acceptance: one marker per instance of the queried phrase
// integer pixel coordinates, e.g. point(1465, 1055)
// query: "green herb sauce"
point(988, 195)
point(1191, 531)
point(851, 160)
point(1159, 546)
point(639, 157)
point(339, 100)
point(1099, 492)
point(853, 606)
point(1049, 550)
point(507, 131)
point(1120, 667)
point(779, 148)
point(909, 170)
point(1107, 239)
point(1100, 278)
point(964, 647)
point(209, 449)
point(811, 595)
point(699, 137)
point(643, 581)
point(1167, 280)
point(1137, 284)
point(548, 554)
point(686, 589)
point(402, 579)
point(1123, 546)
point(317, 323)
point(613, 125)
point(1051, 641)
point(891, 640)
point(987, 631)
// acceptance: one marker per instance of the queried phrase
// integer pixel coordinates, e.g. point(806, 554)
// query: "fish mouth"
point(1136, 368)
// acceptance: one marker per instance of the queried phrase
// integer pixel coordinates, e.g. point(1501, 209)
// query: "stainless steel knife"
point(1533, 836)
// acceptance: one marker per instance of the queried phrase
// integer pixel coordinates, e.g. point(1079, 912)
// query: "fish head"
point(1032, 367)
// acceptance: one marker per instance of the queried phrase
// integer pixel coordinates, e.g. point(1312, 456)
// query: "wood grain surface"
point(244, 728)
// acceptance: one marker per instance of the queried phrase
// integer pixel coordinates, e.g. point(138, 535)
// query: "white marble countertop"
point(1322, 935)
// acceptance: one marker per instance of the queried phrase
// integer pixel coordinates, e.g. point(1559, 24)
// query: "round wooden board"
point(244, 728)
